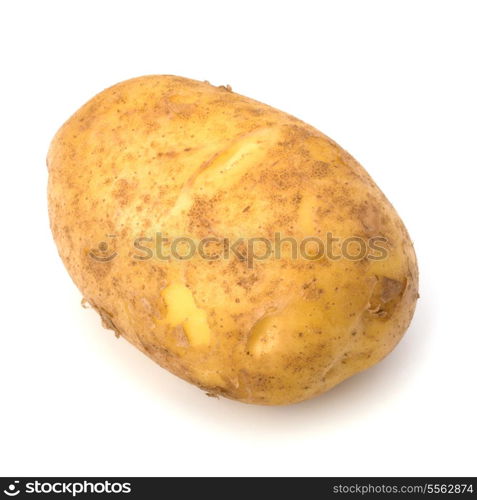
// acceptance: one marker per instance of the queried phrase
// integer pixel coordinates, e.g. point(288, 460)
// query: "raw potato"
point(164, 154)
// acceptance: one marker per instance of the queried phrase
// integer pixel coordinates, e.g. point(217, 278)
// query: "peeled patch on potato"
point(238, 247)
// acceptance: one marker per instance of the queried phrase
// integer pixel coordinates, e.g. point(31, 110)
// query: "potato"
point(235, 245)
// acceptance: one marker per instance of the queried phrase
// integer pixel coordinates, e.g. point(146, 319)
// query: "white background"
point(395, 84)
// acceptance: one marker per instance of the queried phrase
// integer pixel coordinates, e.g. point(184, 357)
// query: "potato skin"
point(170, 155)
